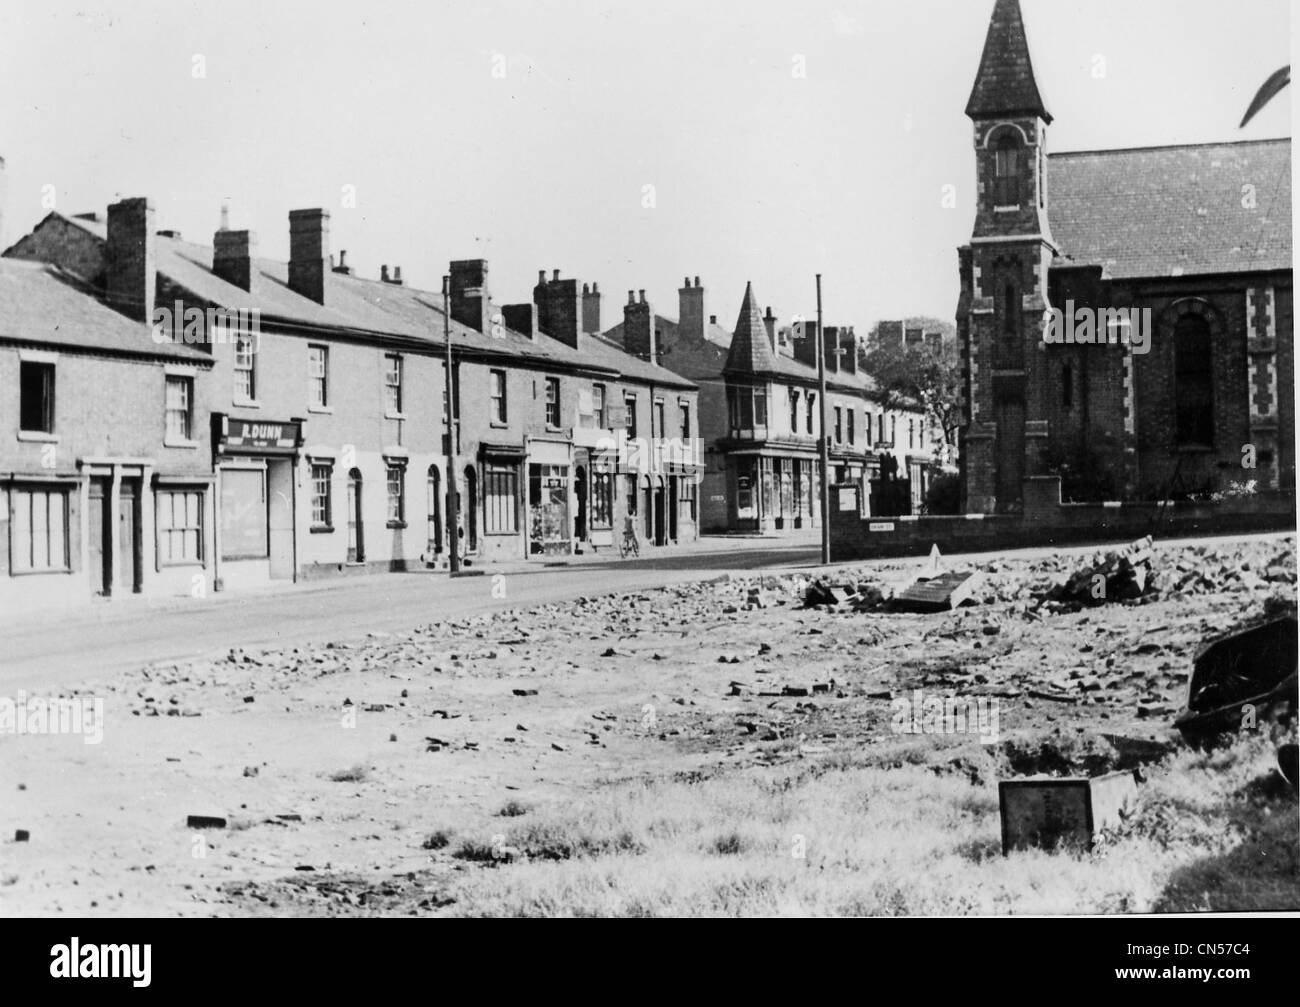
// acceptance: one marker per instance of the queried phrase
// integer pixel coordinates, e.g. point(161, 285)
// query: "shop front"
point(550, 526)
point(255, 462)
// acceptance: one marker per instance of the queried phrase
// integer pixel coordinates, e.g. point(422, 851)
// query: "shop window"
point(180, 526)
point(38, 531)
point(36, 394)
point(602, 505)
point(243, 514)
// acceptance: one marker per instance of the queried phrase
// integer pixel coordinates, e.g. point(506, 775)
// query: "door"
point(127, 559)
point(580, 490)
point(279, 518)
point(672, 508)
point(356, 530)
point(99, 537)
point(661, 525)
point(470, 517)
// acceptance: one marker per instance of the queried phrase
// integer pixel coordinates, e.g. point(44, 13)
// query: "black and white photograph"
point(587, 458)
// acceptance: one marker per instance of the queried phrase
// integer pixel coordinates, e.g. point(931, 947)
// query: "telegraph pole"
point(825, 449)
point(453, 522)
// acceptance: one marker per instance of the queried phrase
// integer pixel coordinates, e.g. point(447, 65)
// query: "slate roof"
point(373, 306)
point(750, 351)
point(1005, 82)
point(1172, 211)
point(42, 304)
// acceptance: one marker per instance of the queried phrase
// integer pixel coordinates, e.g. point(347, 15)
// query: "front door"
point(580, 491)
point(672, 508)
point(128, 538)
point(356, 535)
point(100, 535)
point(1010, 414)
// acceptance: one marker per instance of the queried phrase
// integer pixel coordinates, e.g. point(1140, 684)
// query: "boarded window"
point(1193, 381)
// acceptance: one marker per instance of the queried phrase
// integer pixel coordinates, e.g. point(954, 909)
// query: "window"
point(322, 475)
point(1193, 382)
point(812, 403)
point(684, 409)
point(880, 426)
point(38, 534)
point(245, 377)
point(1006, 191)
point(911, 435)
point(1067, 387)
point(893, 430)
point(179, 416)
point(659, 430)
point(598, 405)
point(552, 402)
point(839, 425)
point(850, 419)
point(36, 391)
point(497, 390)
point(760, 407)
point(393, 385)
point(1010, 311)
point(688, 498)
point(794, 411)
point(629, 403)
point(501, 497)
point(631, 495)
point(396, 494)
point(318, 367)
point(180, 526)
point(602, 505)
point(243, 513)
point(867, 417)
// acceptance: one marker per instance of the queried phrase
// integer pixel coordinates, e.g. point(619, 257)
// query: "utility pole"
point(825, 449)
point(453, 522)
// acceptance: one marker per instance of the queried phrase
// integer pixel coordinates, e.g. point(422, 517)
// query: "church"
point(1194, 239)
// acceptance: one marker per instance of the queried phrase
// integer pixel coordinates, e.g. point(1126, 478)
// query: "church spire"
point(1005, 84)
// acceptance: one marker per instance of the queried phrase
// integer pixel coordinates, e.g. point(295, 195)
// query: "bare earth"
point(334, 765)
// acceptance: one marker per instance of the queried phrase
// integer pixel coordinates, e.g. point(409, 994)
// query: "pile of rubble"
point(1118, 576)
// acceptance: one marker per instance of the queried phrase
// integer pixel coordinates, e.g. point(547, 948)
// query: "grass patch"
point(513, 809)
point(356, 774)
point(438, 840)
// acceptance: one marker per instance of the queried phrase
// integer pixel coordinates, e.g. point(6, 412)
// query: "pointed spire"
point(750, 351)
point(1005, 83)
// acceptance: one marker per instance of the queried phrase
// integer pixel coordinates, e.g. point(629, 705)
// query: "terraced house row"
point(293, 425)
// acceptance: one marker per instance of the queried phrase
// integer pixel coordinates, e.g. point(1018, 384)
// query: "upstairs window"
point(1193, 382)
point(629, 421)
point(598, 405)
point(1006, 171)
point(178, 412)
point(497, 392)
point(794, 411)
point(36, 392)
point(245, 373)
point(552, 402)
point(318, 368)
point(393, 385)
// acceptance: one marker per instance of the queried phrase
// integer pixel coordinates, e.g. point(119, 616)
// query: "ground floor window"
point(180, 526)
point(500, 498)
point(548, 508)
point(396, 494)
point(322, 507)
point(39, 530)
point(631, 495)
point(243, 514)
point(687, 498)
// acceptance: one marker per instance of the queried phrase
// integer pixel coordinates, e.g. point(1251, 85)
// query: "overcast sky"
point(758, 173)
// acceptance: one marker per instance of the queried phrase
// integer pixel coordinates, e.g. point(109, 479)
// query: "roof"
point(42, 304)
point(1173, 211)
point(1005, 82)
point(374, 306)
point(750, 351)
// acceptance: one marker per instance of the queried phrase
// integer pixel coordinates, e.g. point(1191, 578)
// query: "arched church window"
point(1193, 382)
point(1006, 170)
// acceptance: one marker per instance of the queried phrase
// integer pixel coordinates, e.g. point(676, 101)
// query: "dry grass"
point(1208, 832)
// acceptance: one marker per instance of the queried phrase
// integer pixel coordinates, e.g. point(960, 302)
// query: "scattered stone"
point(205, 822)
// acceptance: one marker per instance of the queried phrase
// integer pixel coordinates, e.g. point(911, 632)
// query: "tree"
point(927, 374)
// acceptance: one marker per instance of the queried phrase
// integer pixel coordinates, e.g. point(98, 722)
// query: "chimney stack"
point(690, 309)
point(591, 308)
point(849, 340)
point(769, 323)
point(521, 318)
point(343, 266)
point(232, 257)
point(132, 268)
point(470, 302)
point(830, 344)
point(805, 349)
point(639, 329)
point(559, 309)
point(309, 252)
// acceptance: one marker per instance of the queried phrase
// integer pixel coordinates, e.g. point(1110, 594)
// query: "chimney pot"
point(383, 273)
point(686, 281)
point(541, 276)
point(397, 274)
point(631, 297)
point(642, 295)
point(713, 319)
point(595, 287)
point(555, 274)
point(697, 281)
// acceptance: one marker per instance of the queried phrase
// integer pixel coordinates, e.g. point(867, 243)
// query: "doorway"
point(580, 491)
point(1010, 414)
point(660, 506)
point(100, 535)
point(434, 511)
point(470, 515)
point(127, 557)
point(356, 530)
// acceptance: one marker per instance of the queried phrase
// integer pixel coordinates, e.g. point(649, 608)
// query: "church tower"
point(1002, 309)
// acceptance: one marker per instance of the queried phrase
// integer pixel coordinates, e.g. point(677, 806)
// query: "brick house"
point(759, 415)
point(1195, 239)
point(327, 405)
point(106, 484)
